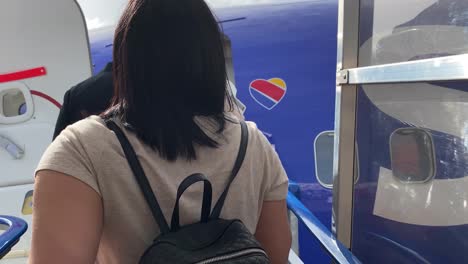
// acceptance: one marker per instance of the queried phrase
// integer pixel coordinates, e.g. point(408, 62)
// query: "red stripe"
point(48, 98)
point(269, 89)
point(21, 75)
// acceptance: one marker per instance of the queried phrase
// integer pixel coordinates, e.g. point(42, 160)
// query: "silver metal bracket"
point(342, 77)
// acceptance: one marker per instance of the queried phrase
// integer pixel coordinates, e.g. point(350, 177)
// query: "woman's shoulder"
point(78, 150)
point(92, 129)
point(257, 139)
point(255, 134)
point(259, 146)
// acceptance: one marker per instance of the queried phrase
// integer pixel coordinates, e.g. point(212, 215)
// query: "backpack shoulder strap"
point(206, 204)
point(237, 165)
point(139, 176)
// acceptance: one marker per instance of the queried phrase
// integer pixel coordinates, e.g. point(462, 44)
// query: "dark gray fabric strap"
point(237, 165)
point(140, 176)
point(206, 204)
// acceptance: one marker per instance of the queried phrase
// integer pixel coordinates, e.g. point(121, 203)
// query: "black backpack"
point(212, 240)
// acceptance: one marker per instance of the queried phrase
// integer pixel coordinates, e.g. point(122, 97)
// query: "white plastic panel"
point(37, 36)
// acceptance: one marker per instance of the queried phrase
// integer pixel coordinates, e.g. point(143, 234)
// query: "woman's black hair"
point(169, 67)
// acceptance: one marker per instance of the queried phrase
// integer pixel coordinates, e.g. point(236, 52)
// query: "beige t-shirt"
point(92, 154)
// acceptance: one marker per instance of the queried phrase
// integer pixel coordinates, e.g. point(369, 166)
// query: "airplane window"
point(13, 103)
point(412, 155)
point(323, 147)
point(324, 152)
point(16, 103)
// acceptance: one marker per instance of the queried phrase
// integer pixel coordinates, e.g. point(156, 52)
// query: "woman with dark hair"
point(170, 99)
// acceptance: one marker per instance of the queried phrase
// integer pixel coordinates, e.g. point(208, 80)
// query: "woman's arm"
point(273, 231)
point(67, 220)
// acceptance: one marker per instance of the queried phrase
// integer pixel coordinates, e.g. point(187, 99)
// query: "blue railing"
point(16, 228)
point(334, 248)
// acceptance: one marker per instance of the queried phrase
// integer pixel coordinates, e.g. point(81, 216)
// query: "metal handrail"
point(334, 248)
point(16, 228)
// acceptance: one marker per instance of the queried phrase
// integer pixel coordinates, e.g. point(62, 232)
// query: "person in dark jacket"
point(90, 97)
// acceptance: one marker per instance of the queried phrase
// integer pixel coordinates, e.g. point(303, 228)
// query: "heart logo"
point(268, 93)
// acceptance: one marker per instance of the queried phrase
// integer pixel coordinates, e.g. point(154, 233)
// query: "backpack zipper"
point(233, 255)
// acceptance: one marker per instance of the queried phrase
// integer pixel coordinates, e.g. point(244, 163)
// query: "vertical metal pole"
point(294, 225)
point(345, 121)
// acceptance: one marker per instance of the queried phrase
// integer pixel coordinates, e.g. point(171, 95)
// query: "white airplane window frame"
point(6, 87)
